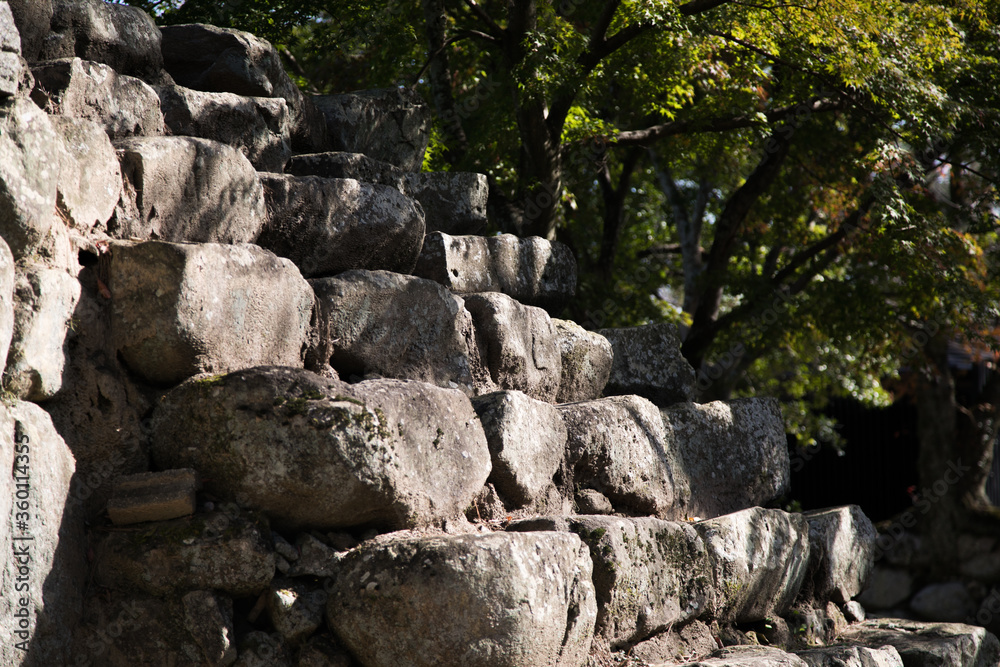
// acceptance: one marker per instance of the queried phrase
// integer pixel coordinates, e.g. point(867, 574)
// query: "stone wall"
point(269, 400)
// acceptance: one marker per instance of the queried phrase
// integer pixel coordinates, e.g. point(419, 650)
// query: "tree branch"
point(495, 30)
point(699, 6)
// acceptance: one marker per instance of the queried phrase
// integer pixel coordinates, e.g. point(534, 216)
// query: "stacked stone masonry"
point(271, 399)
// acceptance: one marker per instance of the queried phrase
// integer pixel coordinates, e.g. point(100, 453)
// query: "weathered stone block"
point(648, 574)
point(153, 496)
point(44, 301)
point(91, 184)
point(311, 452)
point(33, 19)
point(295, 609)
point(122, 37)
point(387, 124)
point(617, 446)
point(183, 309)
point(256, 126)
point(187, 190)
point(124, 106)
point(208, 619)
point(328, 226)
point(493, 600)
point(10, 52)
point(759, 558)
point(852, 656)
point(518, 344)
point(532, 271)
point(336, 164)
point(453, 202)
point(7, 278)
point(225, 550)
point(841, 548)
point(749, 656)
point(527, 441)
point(733, 453)
point(929, 644)
point(223, 60)
point(586, 362)
point(396, 326)
point(648, 362)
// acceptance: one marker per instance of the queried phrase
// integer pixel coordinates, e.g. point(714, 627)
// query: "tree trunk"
point(439, 74)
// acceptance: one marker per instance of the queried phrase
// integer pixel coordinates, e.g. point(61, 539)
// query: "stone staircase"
point(270, 400)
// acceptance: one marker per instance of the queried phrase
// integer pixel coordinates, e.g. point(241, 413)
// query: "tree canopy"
point(808, 187)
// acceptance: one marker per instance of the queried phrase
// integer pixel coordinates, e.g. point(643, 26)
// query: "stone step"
point(182, 309)
point(153, 496)
point(386, 124)
point(313, 452)
point(648, 362)
point(532, 270)
point(586, 362)
point(331, 225)
point(259, 127)
point(492, 600)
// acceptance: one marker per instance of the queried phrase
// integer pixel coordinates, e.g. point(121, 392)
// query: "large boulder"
point(648, 574)
point(929, 644)
point(841, 552)
point(183, 309)
point(45, 299)
point(648, 362)
point(91, 184)
point(187, 190)
point(586, 362)
point(733, 453)
point(331, 225)
point(531, 270)
point(338, 164)
point(224, 550)
point(493, 600)
point(11, 63)
point(454, 202)
point(759, 559)
point(387, 124)
point(617, 446)
point(749, 656)
point(256, 126)
point(518, 344)
point(125, 106)
point(852, 656)
point(527, 440)
point(122, 37)
point(32, 156)
point(223, 60)
point(44, 568)
point(396, 326)
point(312, 452)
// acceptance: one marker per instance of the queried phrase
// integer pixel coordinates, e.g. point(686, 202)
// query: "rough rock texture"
point(527, 441)
point(125, 106)
point(760, 558)
point(396, 326)
point(532, 270)
point(7, 278)
point(929, 644)
point(887, 587)
point(314, 452)
point(180, 309)
point(852, 656)
point(841, 552)
point(493, 600)
point(686, 642)
point(331, 225)
point(153, 496)
point(208, 617)
point(44, 301)
point(648, 362)
point(648, 574)
point(296, 609)
point(616, 446)
point(387, 124)
point(256, 126)
point(44, 566)
point(518, 344)
point(187, 190)
point(92, 181)
point(122, 37)
point(454, 202)
point(32, 18)
point(224, 550)
point(11, 63)
point(749, 656)
point(338, 164)
point(222, 60)
point(586, 362)
point(32, 156)
point(733, 453)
